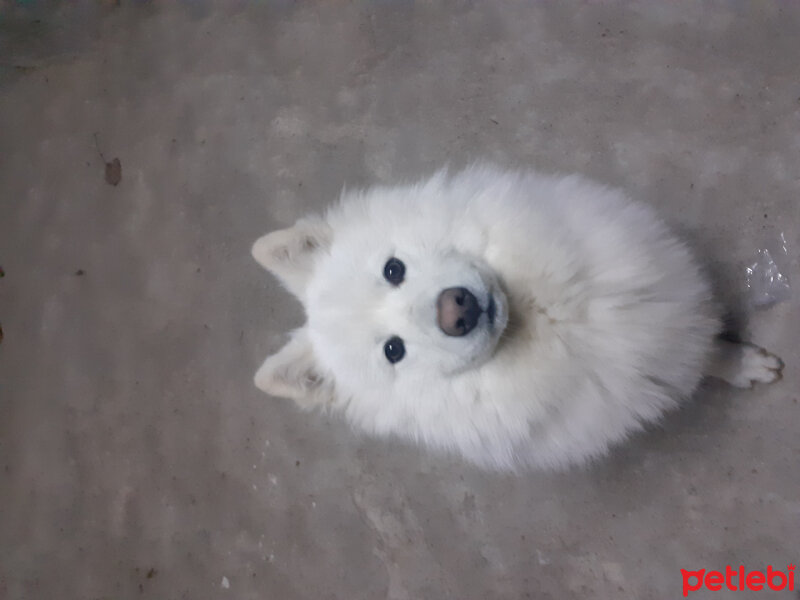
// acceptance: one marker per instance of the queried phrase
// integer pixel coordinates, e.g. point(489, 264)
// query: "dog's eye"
point(394, 349)
point(394, 271)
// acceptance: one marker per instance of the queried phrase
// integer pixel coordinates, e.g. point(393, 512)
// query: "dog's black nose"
point(457, 311)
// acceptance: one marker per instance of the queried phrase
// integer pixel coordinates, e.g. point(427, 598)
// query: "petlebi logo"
point(738, 579)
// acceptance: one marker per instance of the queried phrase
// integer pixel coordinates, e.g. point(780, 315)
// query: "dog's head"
point(392, 299)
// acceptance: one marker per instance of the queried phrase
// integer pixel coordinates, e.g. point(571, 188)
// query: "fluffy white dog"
point(519, 319)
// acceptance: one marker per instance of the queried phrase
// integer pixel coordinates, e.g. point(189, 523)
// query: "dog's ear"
point(290, 253)
point(293, 373)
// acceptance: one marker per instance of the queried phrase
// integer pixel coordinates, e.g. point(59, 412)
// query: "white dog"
point(519, 319)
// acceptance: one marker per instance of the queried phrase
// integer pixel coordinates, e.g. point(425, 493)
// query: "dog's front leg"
point(743, 365)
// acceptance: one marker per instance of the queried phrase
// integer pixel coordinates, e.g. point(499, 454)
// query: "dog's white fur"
point(604, 320)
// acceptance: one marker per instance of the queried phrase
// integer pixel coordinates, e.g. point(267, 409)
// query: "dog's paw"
point(757, 366)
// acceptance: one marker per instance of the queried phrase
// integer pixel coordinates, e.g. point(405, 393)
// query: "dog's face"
point(387, 307)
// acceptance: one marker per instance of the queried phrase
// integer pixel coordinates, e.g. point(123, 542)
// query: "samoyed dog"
point(514, 318)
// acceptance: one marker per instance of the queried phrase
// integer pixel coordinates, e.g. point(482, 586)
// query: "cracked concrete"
point(138, 460)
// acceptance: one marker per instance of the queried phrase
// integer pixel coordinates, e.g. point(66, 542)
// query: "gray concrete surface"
point(138, 460)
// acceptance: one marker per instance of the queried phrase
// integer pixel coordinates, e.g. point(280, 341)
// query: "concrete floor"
point(138, 460)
